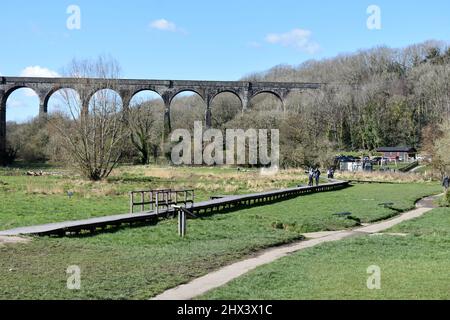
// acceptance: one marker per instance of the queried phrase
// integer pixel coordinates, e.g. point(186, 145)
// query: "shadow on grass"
point(109, 229)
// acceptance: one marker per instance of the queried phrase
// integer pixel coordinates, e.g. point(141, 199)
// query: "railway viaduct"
point(127, 88)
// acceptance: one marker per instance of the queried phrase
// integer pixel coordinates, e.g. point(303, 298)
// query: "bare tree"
point(91, 128)
point(145, 129)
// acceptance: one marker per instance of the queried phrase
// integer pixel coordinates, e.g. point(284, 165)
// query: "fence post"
point(181, 222)
point(131, 202)
point(167, 200)
point(151, 201)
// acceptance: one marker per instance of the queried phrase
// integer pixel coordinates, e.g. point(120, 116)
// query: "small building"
point(351, 166)
point(402, 154)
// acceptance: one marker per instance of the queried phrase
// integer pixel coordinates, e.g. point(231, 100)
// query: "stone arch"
point(156, 96)
point(222, 115)
point(227, 91)
point(179, 91)
point(196, 114)
point(5, 94)
point(134, 93)
point(10, 90)
point(147, 103)
point(271, 92)
point(13, 89)
point(87, 104)
point(54, 90)
point(92, 92)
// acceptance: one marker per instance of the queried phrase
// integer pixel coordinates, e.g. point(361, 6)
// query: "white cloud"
point(37, 71)
point(164, 25)
point(298, 39)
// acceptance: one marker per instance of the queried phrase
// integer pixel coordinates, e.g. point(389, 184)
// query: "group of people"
point(314, 175)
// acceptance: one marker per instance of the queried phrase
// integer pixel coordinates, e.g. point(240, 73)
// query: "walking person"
point(310, 177)
point(317, 175)
point(446, 183)
point(330, 173)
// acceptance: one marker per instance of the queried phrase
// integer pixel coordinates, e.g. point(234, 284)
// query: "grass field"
point(413, 267)
point(137, 263)
point(28, 200)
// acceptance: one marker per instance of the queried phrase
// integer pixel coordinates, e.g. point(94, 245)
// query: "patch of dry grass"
point(87, 189)
point(206, 181)
point(223, 179)
point(384, 176)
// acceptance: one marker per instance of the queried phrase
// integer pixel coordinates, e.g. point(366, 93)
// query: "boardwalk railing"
point(226, 202)
point(160, 200)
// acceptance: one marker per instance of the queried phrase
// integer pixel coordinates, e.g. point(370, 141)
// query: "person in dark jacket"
point(317, 175)
point(446, 182)
point(330, 173)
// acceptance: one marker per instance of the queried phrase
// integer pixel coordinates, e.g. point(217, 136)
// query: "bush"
point(445, 200)
point(8, 157)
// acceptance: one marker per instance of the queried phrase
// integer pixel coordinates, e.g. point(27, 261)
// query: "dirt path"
point(5, 239)
point(417, 168)
point(224, 275)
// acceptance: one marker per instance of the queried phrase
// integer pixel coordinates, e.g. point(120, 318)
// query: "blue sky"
point(208, 40)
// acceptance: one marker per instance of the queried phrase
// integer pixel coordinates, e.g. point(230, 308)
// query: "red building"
point(402, 154)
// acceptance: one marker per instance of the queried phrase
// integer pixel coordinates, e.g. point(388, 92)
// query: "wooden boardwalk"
point(213, 205)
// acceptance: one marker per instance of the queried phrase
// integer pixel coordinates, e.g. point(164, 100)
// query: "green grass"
point(36, 200)
point(413, 267)
point(28, 200)
point(138, 263)
point(435, 224)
